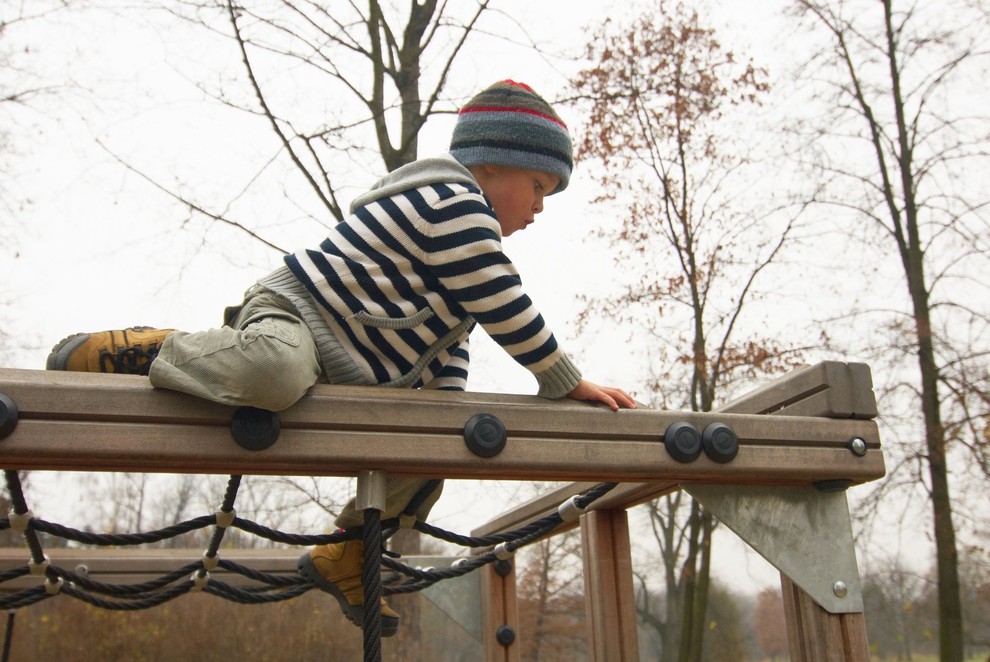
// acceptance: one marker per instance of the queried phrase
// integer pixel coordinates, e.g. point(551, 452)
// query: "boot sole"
point(58, 359)
point(353, 613)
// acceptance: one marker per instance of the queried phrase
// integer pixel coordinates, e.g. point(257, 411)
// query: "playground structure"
point(772, 466)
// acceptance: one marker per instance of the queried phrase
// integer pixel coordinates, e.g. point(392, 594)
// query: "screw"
point(840, 589)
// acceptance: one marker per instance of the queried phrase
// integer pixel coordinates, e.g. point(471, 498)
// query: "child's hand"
point(615, 398)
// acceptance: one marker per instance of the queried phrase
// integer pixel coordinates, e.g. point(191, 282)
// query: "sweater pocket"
point(377, 322)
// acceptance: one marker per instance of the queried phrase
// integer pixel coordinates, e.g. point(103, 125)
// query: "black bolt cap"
point(8, 415)
point(720, 442)
point(255, 429)
point(485, 435)
point(505, 635)
point(683, 442)
point(502, 567)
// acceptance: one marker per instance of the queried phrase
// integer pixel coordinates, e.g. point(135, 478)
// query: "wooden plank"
point(134, 565)
point(814, 635)
point(608, 584)
point(829, 389)
point(623, 496)
point(86, 422)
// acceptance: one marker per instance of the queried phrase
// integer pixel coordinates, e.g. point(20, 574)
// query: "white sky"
point(97, 247)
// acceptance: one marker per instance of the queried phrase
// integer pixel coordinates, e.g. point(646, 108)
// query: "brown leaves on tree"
point(657, 92)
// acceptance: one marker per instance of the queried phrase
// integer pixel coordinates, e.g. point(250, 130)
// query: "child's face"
point(516, 194)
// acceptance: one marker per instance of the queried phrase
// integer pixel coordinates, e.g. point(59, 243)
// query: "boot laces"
point(134, 360)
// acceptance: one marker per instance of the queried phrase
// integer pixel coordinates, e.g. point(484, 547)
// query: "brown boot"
point(127, 351)
point(336, 569)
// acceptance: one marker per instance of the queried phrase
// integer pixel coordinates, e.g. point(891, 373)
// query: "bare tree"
point(661, 92)
point(337, 87)
point(896, 144)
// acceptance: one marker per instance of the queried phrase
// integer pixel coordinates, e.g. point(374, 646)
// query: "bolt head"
point(840, 589)
point(857, 446)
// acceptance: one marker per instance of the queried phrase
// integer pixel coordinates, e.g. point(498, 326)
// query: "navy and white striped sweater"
point(402, 281)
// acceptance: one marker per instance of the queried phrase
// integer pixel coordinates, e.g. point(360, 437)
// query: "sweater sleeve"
point(464, 252)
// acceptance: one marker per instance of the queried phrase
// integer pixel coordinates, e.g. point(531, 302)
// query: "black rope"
point(371, 578)
point(14, 573)
point(295, 538)
point(127, 590)
point(228, 592)
point(24, 598)
point(226, 507)
point(110, 539)
point(422, 495)
point(8, 635)
point(19, 503)
point(262, 577)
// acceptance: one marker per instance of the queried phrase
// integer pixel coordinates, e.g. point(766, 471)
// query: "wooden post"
point(608, 585)
point(499, 613)
point(814, 635)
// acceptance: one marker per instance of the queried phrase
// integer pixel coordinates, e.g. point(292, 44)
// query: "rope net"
point(262, 587)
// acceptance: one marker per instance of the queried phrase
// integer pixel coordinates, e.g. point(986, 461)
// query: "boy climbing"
point(389, 298)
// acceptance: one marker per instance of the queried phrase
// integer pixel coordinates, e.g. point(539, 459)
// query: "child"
point(388, 299)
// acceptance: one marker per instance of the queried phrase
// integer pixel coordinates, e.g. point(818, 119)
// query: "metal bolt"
point(840, 589)
point(857, 446)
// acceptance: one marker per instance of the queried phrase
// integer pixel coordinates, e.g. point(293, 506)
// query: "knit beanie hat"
point(509, 124)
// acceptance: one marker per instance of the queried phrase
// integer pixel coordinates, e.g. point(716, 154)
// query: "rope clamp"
point(200, 579)
point(570, 511)
point(502, 552)
point(53, 587)
point(19, 521)
point(39, 568)
point(225, 518)
point(210, 562)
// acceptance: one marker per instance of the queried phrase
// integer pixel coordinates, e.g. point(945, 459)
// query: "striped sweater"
point(404, 279)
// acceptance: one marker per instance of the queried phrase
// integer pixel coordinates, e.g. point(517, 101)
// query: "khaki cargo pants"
point(264, 356)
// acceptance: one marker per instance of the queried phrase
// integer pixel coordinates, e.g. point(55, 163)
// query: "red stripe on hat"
point(518, 84)
point(503, 109)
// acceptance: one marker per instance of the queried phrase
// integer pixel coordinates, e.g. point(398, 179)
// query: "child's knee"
point(286, 364)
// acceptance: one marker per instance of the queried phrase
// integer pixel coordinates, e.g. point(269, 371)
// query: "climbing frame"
point(804, 530)
point(802, 436)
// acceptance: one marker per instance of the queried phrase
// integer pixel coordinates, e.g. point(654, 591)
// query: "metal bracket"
point(804, 533)
point(371, 492)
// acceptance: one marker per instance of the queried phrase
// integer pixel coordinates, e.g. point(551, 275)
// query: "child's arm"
point(615, 398)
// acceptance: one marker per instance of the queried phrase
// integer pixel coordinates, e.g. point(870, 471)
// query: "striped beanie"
point(511, 125)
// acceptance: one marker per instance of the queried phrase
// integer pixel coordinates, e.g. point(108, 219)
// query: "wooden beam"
point(830, 389)
point(95, 422)
point(608, 586)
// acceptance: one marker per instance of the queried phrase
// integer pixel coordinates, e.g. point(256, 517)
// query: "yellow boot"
point(126, 351)
point(336, 569)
